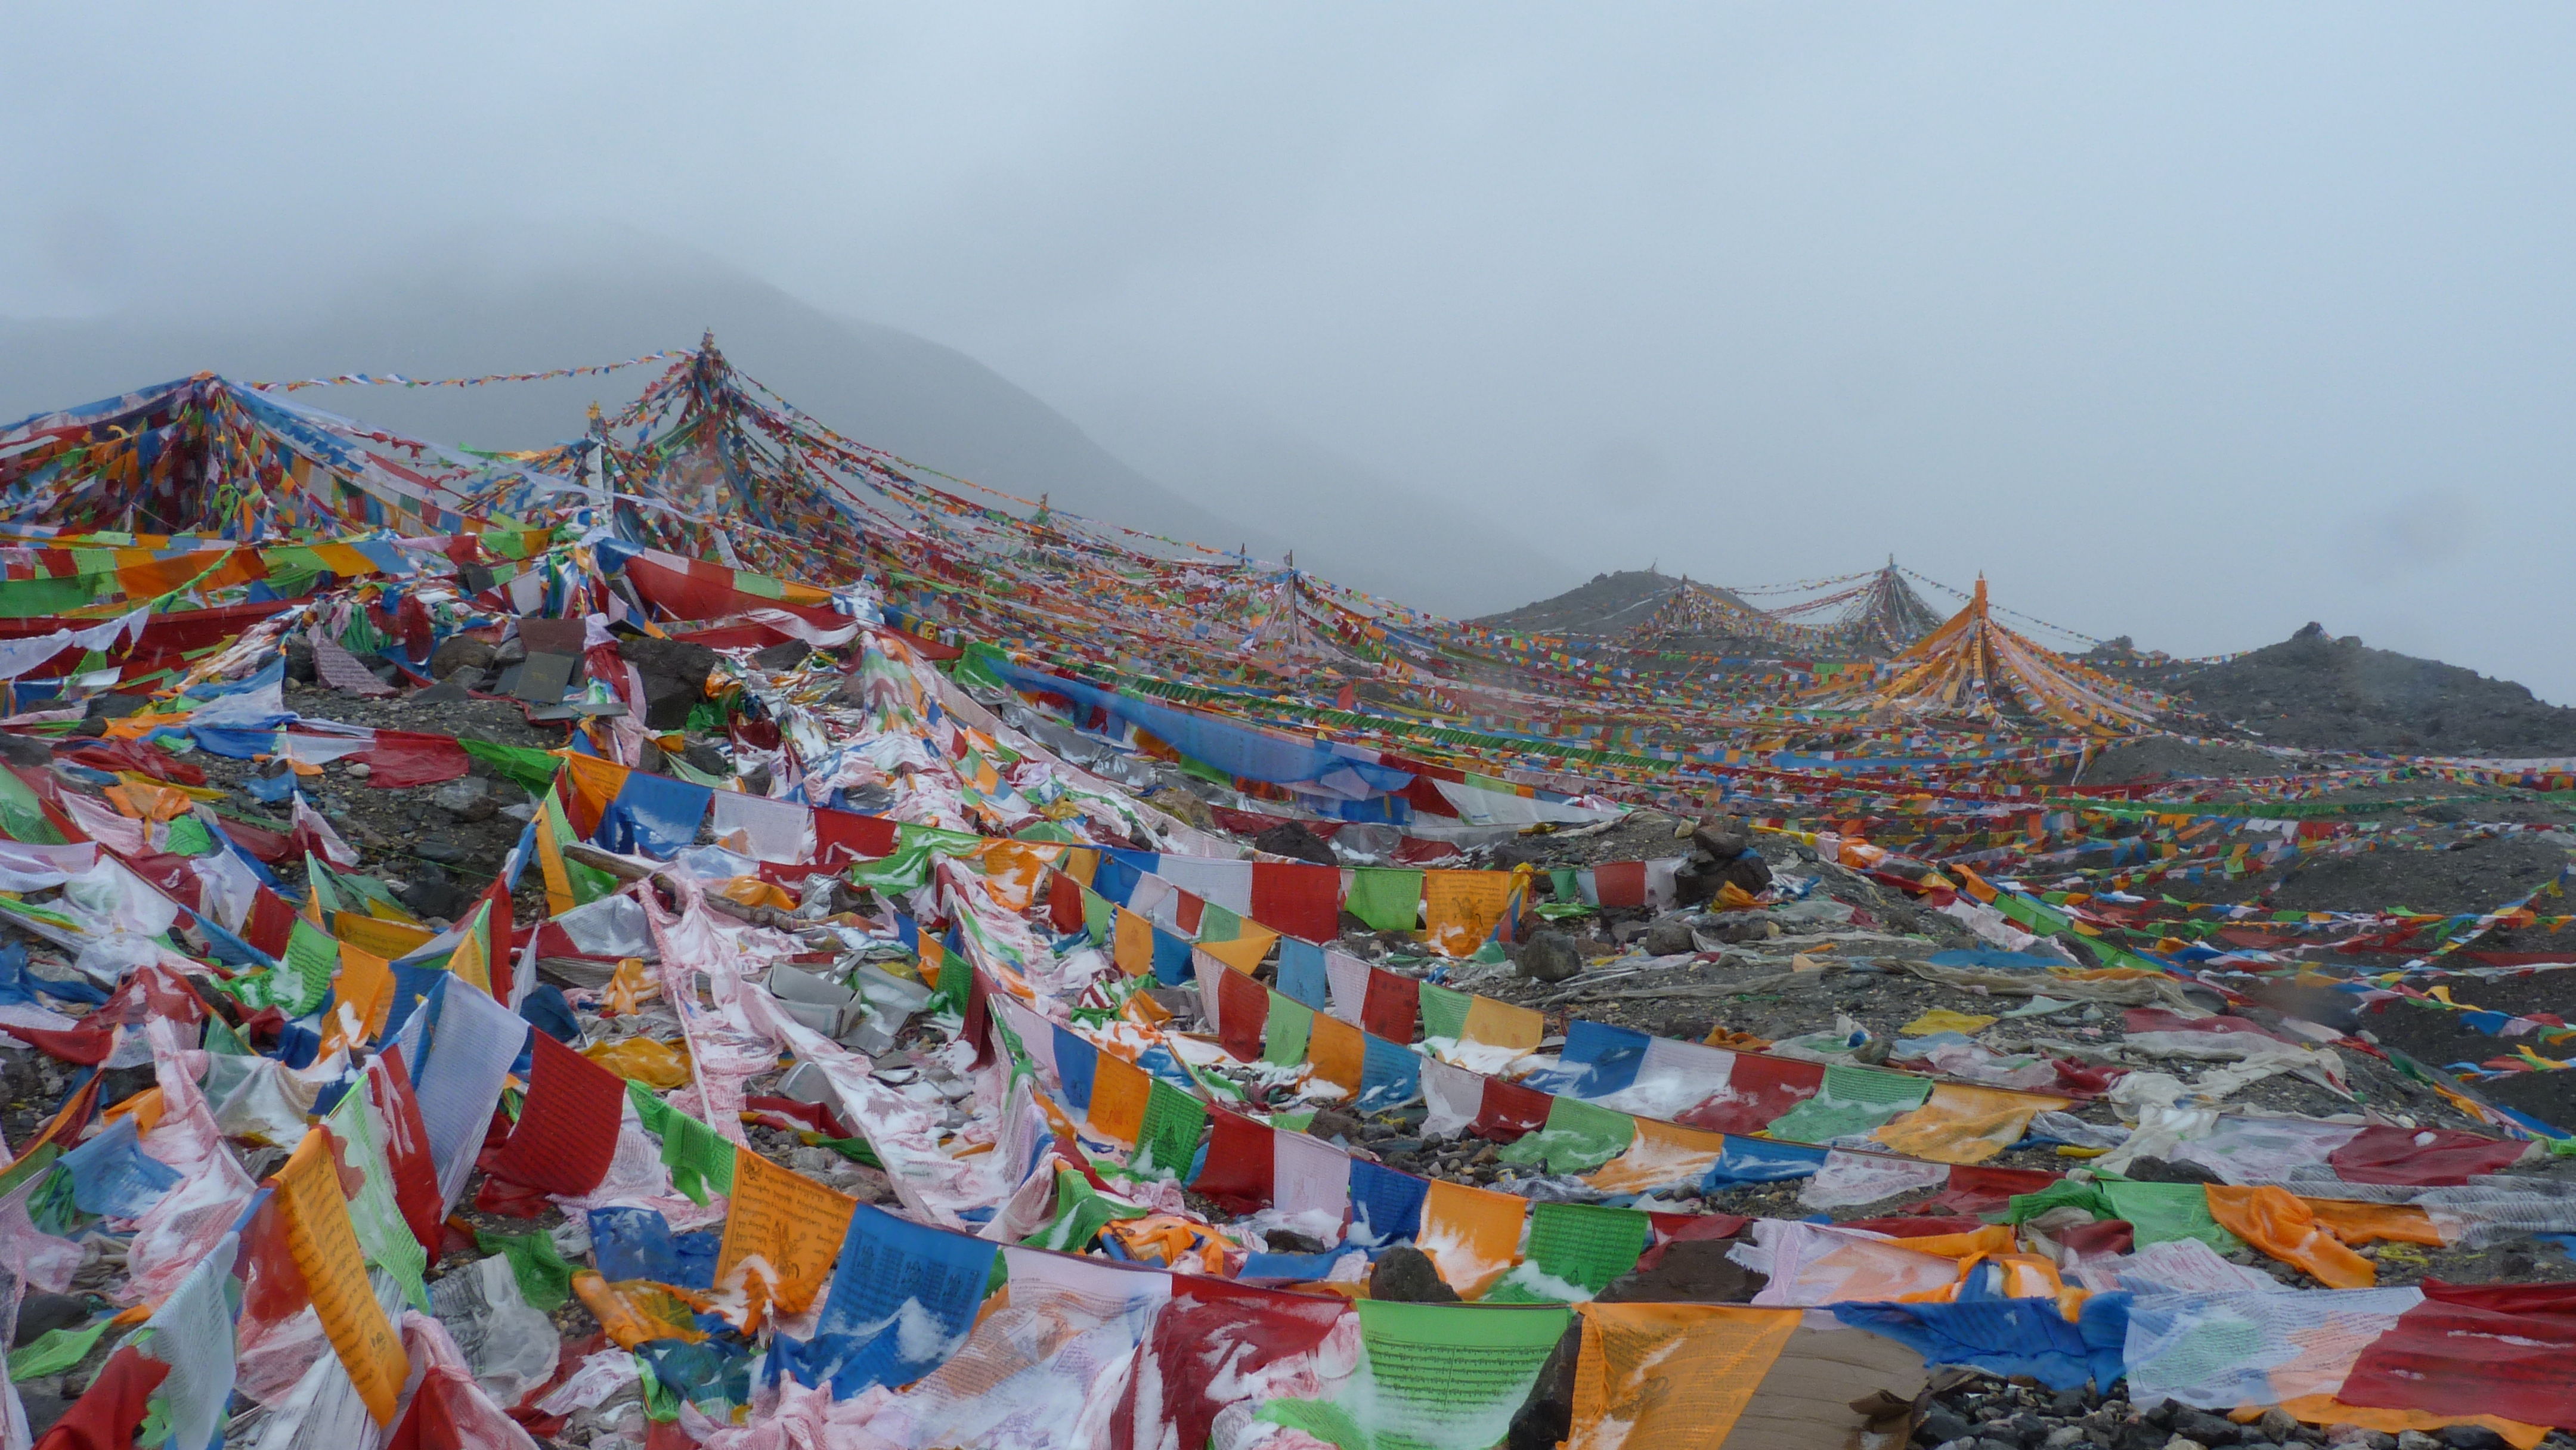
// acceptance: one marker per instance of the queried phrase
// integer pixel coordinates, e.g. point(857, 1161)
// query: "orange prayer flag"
point(1118, 1092)
point(1244, 952)
point(1471, 1234)
point(325, 1248)
point(1459, 908)
point(1131, 944)
point(1660, 1155)
point(1338, 1050)
point(1674, 1376)
point(784, 1232)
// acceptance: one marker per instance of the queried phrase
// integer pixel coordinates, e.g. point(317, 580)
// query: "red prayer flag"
point(1237, 1173)
point(1298, 899)
point(567, 1133)
point(1758, 1089)
point(407, 1155)
point(1391, 1007)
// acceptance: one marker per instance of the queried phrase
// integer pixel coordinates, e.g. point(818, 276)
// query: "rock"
point(430, 893)
point(43, 1410)
point(2470, 1437)
point(1669, 936)
point(668, 699)
point(1295, 840)
point(25, 750)
point(2360, 1439)
point(1989, 1442)
point(785, 655)
point(361, 770)
point(467, 798)
point(42, 1312)
point(299, 661)
point(688, 663)
point(2278, 1424)
point(1695, 1271)
point(1171, 800)
point(706, 757)
point(1547, 1416)
point(2416, 1440)
point(1549, 956)
point(460, 652)
point(759, 781)
point(1941, 1425)
point(113, 706)
point(435, 847)
point(2205, 1427)
point(2184, 1442)
point(1405, 1275)
point(2157, 1170)
point(511, 651)
point(1719, 844)
point(2064, 1435)
point(456, 687)
point(1328, 1124)
point(1747, 873)
point(1289, 1241)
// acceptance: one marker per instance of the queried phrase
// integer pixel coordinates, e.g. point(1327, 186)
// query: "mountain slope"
point(922, 401)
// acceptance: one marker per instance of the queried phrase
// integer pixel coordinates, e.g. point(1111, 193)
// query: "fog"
point(2190, 322)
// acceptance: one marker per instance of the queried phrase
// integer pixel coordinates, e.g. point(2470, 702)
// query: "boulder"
point(688, 663)
point(1549, 956)
point(460, 651)
point(1174, 801)
point(467, 798)
point(1295, 840)
point(668, 699)
point(430, 893)
point(1669, 936)
point(785, 655)
point(706, 757)
point(1405, 1275)
point(299, 660)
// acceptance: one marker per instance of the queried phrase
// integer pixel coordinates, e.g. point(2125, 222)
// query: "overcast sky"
point(2190, 322)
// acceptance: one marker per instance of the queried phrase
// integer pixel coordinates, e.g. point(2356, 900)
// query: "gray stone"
point(460, 651)
point(1549, 956)
point(2278, 1424)
point(512, 651)
point(114, 706)
point(1296, 841)
point(2471, 1437)
point(668, 700)
point(467, 798)
point(42, 1312)
point(25, 750)
point(785, 655)
point(299, 661)
point(1405, 1275)
point(439, 848)
point(430, 893)
point(456, 688)
point(2416, 1440)
point(707, 758)
point(2205, 1427)
point(1669, 936)
point(687, 663)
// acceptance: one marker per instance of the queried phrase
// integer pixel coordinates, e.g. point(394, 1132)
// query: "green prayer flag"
point(2161, 1212)
point(1284, 1035)
point(1168, 1143)
point(1577, 1138)
point(1581, 1245)
point(1445, 1375)
point(304, 978)
point(188, 837)
point(1444, 1011)
point(545, 1280)
point(56, 1350)
point(1388, 900)
point(1853, 1100)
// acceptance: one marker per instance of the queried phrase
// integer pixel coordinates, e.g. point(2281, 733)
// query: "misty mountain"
point(1346, 521)
point(924, 402)
point(885, 387)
